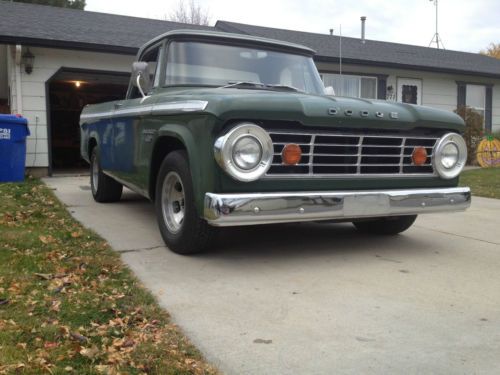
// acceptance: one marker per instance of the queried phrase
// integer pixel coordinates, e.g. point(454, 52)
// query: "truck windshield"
point(196, 63)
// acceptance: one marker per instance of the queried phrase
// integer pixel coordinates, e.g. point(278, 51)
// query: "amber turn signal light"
point(291, 154)
point(419, 156)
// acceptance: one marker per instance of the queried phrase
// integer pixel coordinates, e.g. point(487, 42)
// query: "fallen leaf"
point(89, 352)
point(55, 306)
point(3, 301)
point(50, 345)
point(76, 336)
point(75, 234)
point(103, 369)
point(128, 343)
point(46, 239)
point(45, 276)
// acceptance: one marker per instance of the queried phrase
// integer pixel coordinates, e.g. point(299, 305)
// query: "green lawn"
point(69, 305)
point(483, 182)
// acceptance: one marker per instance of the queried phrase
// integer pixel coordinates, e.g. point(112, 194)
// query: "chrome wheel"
point(173, 202)
point(95, 174)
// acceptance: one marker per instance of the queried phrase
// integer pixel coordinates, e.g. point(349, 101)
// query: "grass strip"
point(484, 182)
point(69, 305)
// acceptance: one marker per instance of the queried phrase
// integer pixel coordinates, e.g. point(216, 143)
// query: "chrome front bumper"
point(267, 208)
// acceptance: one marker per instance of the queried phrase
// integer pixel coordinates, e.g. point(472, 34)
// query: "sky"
point(463, 25)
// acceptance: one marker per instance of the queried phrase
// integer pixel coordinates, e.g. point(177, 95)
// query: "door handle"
point(118, 105)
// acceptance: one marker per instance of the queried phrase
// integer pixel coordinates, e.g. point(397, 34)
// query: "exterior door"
point(410, 90)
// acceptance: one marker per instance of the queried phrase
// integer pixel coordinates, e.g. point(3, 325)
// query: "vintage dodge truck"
point(222, 130)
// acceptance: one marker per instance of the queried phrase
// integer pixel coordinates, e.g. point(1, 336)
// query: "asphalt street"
point(321, 298)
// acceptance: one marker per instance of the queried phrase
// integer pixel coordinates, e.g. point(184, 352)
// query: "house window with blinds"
point(475, 98)
point(352, 85)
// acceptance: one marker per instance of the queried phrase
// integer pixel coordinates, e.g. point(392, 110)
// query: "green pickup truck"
point(222, 130)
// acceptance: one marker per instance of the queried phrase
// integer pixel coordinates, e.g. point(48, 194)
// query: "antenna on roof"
point(436, 38)
point(340, 62)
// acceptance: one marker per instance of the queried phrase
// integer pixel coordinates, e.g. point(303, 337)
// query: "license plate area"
point(366, 205)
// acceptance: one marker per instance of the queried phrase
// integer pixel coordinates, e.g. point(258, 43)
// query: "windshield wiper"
point(258, 85)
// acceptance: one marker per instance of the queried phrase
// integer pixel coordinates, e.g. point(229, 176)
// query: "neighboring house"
point(85, 57)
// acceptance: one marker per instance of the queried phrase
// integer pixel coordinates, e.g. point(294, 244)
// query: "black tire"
point(181, 227)
point(104, 188)
point(386, 225)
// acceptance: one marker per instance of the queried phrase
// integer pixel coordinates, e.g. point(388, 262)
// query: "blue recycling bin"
point(13, 132)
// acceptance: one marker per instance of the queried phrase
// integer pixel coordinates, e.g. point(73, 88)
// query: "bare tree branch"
point(191, 13)
point(492, 50)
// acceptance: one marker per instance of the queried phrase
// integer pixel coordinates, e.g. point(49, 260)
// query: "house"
point(53, 61)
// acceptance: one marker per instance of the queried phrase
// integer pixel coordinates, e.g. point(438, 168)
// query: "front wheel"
point(104, 188)
point(386, 225)
point(182, 229)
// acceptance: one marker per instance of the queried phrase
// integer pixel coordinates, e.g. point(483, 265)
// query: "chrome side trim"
point(268, 208)
point(96, 116)
point(185, 106)
point(156, 109)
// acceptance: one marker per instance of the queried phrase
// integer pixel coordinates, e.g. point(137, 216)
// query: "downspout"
point(18, 67)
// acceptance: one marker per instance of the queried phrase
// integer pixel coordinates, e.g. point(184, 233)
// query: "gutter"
point(335, 60)
point(68, 45)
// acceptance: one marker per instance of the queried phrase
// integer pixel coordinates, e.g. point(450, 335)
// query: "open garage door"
point(68, 92)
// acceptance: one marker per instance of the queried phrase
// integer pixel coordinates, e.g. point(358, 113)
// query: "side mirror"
point(141, 78)
point(329, 91)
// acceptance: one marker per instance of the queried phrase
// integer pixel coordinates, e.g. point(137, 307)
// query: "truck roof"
point(229, 37)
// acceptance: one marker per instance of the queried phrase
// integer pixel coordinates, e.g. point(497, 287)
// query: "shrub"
point(474, 131)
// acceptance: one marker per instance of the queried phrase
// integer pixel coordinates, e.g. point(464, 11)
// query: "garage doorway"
point(68, 91)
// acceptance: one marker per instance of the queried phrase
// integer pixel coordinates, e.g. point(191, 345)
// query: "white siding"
point(11, 79)
point(47, 63)
point(439, 90)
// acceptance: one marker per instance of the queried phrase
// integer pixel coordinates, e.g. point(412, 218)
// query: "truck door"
point(128, 123)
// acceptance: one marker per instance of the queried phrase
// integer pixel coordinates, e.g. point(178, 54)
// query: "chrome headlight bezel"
point(437, 161)
point(224, 146)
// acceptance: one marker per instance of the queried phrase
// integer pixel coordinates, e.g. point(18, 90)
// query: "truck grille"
point(334, 154)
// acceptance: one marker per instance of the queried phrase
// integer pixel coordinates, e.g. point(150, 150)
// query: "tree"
point(73, 4)
point(190, 12)
point(492, 50)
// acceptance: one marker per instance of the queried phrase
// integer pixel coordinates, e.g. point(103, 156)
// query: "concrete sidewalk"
point(321, 298)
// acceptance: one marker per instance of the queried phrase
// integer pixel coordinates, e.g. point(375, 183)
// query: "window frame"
point(488, 111)
point(359, 76)
point(158, 74)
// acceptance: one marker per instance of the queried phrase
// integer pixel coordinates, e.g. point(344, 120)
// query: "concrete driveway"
point(321, 298)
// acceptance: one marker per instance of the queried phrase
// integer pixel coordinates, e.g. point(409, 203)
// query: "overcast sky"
point(463, 25)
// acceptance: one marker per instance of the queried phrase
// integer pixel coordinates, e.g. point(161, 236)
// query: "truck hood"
point(314, 110)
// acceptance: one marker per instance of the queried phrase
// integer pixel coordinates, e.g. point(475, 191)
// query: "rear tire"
point(104, 188)
point(386, 226)
point(181, 227)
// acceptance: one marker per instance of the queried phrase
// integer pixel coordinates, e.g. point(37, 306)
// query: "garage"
point(69, 90)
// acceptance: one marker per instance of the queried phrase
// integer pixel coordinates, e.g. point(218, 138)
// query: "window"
point(475, 98)
point(351, 85)
point(151, 57)
point(197, 63)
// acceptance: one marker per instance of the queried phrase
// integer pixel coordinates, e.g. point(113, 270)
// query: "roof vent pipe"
point(331, 31)
point(363, 21)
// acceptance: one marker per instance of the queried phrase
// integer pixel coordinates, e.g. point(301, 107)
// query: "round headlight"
point(450, 155)
point(245, 152)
